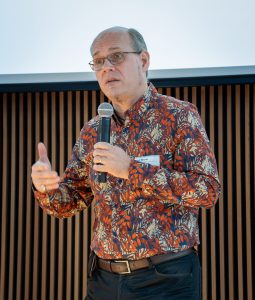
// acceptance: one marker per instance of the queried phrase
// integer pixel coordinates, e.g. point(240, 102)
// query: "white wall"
point(49, 36)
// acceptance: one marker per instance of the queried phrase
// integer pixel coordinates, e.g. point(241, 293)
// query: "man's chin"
point(113, 95)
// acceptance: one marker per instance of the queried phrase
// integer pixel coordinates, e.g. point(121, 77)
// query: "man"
point(160, 171)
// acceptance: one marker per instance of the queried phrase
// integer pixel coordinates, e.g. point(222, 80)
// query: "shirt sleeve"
point(74, 193)
point(191, 178)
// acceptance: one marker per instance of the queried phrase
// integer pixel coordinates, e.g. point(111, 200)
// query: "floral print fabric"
point(156, 210)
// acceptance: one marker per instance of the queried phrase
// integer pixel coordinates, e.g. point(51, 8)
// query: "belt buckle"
point(127, 264)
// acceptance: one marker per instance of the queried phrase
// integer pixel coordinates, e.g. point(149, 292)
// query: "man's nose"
point(107, 64)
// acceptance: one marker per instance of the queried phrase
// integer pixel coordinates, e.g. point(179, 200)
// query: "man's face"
point(125, 82)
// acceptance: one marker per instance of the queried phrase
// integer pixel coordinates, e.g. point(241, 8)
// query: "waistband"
point(128, 266)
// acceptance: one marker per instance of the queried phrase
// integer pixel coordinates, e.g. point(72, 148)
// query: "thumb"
point(42, 151)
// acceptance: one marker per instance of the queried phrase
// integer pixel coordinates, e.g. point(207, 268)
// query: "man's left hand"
point(111, 159)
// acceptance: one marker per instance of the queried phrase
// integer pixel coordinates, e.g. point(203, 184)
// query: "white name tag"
point(153, 160)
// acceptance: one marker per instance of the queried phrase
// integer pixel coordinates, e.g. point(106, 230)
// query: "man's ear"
point(145, 56)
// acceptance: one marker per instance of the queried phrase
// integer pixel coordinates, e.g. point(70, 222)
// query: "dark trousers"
point(174, 279)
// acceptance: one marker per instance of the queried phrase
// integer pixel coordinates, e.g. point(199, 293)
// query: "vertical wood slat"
point(4, 220)
point(12, 197)
point(44, 123)
point(28, 267)
point(177, 93)
point(238, 194)
point(160, 90)
point(185, 96)
point(61, 222)
point(85, 100)
point(77, 217)
point(45, 257)
point(102, 97)
point(20, 204)
point(33, 235)
point(248, 123)
point(203, 216)
point(168, 91)
point(53, 221)
point(221, 203)
point(69, 220)
point(212, 210)
point(35, 206)
point(228, 153)
point(194, 95)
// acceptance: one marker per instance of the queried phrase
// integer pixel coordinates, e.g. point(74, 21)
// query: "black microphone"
point(105, 111)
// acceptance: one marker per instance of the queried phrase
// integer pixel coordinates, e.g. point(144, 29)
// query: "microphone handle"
point(104, 136)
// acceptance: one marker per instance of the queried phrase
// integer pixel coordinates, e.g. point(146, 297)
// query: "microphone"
point(105, 111)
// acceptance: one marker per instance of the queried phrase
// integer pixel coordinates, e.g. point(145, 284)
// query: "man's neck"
point(123, 105)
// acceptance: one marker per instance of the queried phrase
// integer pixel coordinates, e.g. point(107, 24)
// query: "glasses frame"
point(91, 63)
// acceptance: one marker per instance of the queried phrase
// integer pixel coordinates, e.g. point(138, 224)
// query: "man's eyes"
point(116, 56)
point(99, 61)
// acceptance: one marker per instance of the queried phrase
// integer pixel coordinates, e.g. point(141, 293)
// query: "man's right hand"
point(43, 178)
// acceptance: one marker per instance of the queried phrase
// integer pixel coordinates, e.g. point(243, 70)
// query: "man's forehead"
point(111, 41)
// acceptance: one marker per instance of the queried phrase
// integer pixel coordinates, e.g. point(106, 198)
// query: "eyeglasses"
point(115, 58)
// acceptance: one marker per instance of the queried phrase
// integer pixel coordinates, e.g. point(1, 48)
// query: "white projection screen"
point(54, 36)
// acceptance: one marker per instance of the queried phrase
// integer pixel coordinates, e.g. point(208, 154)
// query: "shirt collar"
point(143, 104)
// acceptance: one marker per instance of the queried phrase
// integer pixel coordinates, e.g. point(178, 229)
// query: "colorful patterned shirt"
point(156, 209)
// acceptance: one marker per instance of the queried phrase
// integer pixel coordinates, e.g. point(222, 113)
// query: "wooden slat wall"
point(46, 258)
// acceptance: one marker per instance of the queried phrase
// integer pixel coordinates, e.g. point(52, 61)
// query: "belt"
point(128, 266)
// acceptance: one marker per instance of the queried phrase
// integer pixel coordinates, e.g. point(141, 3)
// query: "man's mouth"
point(111, 81)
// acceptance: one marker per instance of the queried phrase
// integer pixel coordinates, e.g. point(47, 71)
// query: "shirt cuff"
point(41, 197)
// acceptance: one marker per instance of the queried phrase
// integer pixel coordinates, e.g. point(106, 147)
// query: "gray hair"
point(135, 36)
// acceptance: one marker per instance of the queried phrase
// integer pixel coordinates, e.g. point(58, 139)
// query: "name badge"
point(153, 160)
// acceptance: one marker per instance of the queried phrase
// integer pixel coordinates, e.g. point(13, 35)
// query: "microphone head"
point(105, 110)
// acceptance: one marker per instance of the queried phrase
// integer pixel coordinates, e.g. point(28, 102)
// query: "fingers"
point(102, 145)
point(45, 175)
point(111, 159)
point(103, 150)
point(99, 159)
point(43, 157)
point(100, 168)
point(45, 188)
point(49, 180)
point(42, 151)
point(40, 166)
point(42, 176)
point(51, 186)
point(48, 186)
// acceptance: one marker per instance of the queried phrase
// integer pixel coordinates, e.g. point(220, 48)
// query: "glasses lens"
point(116, 58)
point(98, 63)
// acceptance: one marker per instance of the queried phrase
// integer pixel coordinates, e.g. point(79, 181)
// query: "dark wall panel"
point(46, 258)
